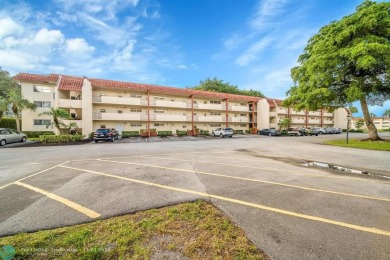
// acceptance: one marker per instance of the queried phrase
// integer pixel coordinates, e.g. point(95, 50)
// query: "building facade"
point(381, 123)
point(271, 112)
point(125, 106)
point(97, 103)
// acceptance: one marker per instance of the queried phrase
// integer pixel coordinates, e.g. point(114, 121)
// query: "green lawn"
point(378, 145)
point(195, 230)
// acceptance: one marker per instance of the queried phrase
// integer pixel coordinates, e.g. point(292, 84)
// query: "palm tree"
point(57, 114)
point(18, 104)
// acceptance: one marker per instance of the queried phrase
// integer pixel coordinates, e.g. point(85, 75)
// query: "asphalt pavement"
point(288, 210)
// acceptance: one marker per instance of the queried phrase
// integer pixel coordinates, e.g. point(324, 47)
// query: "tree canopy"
point(346, 61)
point(216, 85)
point(386, 112)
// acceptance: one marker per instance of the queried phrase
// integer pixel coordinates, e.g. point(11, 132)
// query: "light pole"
point(348, 120)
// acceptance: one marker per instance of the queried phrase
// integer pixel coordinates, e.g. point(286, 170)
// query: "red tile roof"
point(274, 102)
point(76, 83)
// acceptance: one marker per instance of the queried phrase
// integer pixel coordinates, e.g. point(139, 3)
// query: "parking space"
point(285, 208)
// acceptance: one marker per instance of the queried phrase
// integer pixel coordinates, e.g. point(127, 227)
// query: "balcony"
point(273, 125)
point(328, 114)
point(209, 106)
point(167, 103)
point(282, 111)
point(298, 121)
point(169, 118)
point(239, 108)
point(311, 113)
point(314, 121)
point(239, 119)
point(69, 103)
point(273, 114)
point(117, 117)
point(117, 100)
point(78, 122)
point(209, 119)
point(301, 113)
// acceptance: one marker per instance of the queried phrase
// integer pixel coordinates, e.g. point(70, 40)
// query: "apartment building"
point(125, 106)
point(379, 122)
point(271, 112)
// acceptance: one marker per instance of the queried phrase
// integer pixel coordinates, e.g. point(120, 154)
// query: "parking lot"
point(288, 210)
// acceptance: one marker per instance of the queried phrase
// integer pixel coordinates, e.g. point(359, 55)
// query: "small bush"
point(8, 123)
point(204, 132)
point(61, 138)
point(164, 133)
point(127, 134)
point(37, 134)
point(238, 132)
point(181, 133)
point(247, 131)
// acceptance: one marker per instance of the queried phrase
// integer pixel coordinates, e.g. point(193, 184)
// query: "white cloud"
point(181, 66)
point(9, 28)
point(78, 45)
point(48, 37)
point(253, 52)
point(266, 11)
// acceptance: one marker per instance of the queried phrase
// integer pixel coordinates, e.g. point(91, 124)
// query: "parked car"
point(269, 132)
point(319, 130)
point(338, 130)
point(294, 132)
point(8, 135)
point(222, 132)
point(308, 131)
point(105, 134)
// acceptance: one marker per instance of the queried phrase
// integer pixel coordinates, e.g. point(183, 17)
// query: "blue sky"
point(248, 43)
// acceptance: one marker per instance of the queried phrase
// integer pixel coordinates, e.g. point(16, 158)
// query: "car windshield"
point(228, 129)
point(102, 131)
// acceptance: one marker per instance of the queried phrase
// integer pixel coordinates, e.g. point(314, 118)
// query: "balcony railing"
point(167, 103)
point(273, 114)
point(117, 100)
point(328, 114)
point(209, 119)
point(298, 121)
point(70, 103)
point(239, 119)
point(239, 108)
point(209, 106)
point(314, 121)
point(170, 118)
point(116, 116)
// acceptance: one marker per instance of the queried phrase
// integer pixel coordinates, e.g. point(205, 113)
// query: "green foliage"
point(285, 123)
point(216, 85)
point(238, 132)
point(359, 123)
point(164, 133)
point(36, 134)
point(61, 138)
point(6, 85)
point(57, 114)
point(347, 61)
point(127, 134)
point(353, 110)
point(181, 133)
point(204, 132)
point(386, 112)
point(8, 123)
point(369, 145)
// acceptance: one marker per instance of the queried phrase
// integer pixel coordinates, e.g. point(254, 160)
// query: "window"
point(136, 110)
point(242, 114)
point(159, 98)
point(103, 110)
point(184, 114)
point(42, 104)
point(215, 125)
point(195, 102)
point(102, 126)
point(42, 122)
point(158, 111)
point(215, 102)
point(136, 125)
point(242, 104)
point(172, 100)
point(158, 124)
point(120, 111)
point(119, 96)
point(135, 96)
point(215, 113)
point(184, 126)
point(243, 125)
point(42, 89)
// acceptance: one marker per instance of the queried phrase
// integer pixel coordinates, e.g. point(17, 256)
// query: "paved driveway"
point(288, 210)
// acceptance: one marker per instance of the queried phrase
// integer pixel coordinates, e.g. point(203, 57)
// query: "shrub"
point(8, 123)
point(127, 134)
point(164, 133)
point(247, 131)
point(181, 133)
point(204, 132)
point(61, 138)
point(37, 134)
point(238, 131)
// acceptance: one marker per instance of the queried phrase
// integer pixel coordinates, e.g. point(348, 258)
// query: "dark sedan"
point(269, 132)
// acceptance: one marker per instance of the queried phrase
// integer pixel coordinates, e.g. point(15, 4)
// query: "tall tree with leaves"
point(346, 61)
point(18, 104)
point(386, 112)
point(216, 85)
point(57, 114)
point(6, 84)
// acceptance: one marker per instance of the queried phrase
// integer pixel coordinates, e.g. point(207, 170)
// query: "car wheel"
point(321, 133)
point(2, 142)
point(230, 136)
point(113, 139)
point(221, 135)
point(258, 133)
point(269, 134)
point(24, 139)
point(213, 134)
point(96, 141)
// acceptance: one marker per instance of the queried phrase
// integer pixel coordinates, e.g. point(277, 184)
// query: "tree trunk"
point(1, 115)
point(17, 123)
point(372, 132)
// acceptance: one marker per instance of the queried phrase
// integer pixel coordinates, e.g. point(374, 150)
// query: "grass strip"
point(362, 144)
point(195, 230)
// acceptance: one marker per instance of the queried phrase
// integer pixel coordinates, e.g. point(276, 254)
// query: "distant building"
point(379, 122)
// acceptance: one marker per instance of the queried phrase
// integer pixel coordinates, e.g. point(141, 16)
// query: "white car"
point(8, 135)
point(222, 132)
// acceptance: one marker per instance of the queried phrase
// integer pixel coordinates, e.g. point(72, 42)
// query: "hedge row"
point(36, 134)
point(127, 134)
point(61, 138)
point(238, 131)
point(181, 133)
point(164, 133)
point(8, 123)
